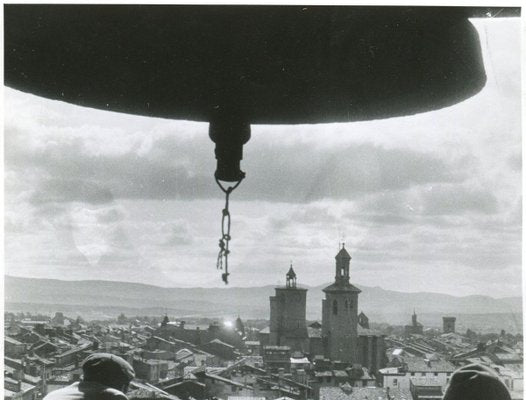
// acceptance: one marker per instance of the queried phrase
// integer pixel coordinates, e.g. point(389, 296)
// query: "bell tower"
point(343, 260)
point(291, 278)
point(340, 314)
point(288, 325)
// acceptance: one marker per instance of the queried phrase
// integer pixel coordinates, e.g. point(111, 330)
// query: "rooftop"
point(368, 332)
point(424, 381)
point(10, 340)
point(342, 288)
point(281, 348)
point(366, 393)
point(219, 342)
point(418, 364)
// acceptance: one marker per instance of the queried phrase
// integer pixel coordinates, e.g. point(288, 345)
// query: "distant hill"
point(108, 298)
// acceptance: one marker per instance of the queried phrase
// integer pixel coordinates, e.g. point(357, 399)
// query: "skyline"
point(102, 195)
point(273, 286)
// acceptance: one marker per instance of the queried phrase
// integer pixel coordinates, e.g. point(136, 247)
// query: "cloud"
point(305, 173)
point(176, 234)
point(387, 219)
point(457, 199)
point(66, 171)
point(71, 190)
point(110, 216)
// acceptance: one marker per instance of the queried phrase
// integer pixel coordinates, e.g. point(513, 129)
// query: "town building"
point(14, 348)
point(277, 357)
point(340, 314)
point(288, 325)
point(448, 324)
point(343, 336)
point(17, 390)
point(425, 388)
point(416, 328)
point(399, 374)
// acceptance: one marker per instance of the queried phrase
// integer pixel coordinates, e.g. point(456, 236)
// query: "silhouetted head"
point(108, 369)
point(476, 382)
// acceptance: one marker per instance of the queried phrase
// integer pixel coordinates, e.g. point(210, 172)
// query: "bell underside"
point(260, 64)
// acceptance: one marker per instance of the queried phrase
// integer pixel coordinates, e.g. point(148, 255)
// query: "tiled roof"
point(417, 364)
point(341, 288)
point(368, 332)
point(343, 254)
point(365, 393)
point(283, 348)
point(12, 341)
point(425, 381)
point(219, 342)
point(375, 393)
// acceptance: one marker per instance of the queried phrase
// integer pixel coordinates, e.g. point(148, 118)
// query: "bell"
point(237, 65)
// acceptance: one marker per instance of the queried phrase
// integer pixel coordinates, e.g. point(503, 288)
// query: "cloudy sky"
point(430, 202)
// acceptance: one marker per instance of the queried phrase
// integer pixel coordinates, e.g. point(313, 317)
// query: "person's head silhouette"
point(109, 370)
point(476, 382)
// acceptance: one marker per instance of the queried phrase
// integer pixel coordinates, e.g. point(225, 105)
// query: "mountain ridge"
point(149, 285)
point(250, 300)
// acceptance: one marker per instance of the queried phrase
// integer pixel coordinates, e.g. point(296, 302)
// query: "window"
point(412, 374)
point(335, 307)
point(422, 374)
point(395, 382)
point(436, 373)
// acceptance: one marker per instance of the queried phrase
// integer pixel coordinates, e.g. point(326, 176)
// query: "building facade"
point(438, 370)
point(448, 324)
point(288, 325)
point(340, 314)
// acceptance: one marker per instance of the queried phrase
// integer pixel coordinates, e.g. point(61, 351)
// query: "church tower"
point(288, 325)
point(340, 314)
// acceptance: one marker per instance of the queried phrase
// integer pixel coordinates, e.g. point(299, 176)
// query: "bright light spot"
point(229, 324)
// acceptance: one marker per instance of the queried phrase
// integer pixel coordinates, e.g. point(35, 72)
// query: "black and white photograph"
point(259, 202)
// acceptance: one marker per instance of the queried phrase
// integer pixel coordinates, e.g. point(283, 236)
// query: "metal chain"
point(222, 256)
